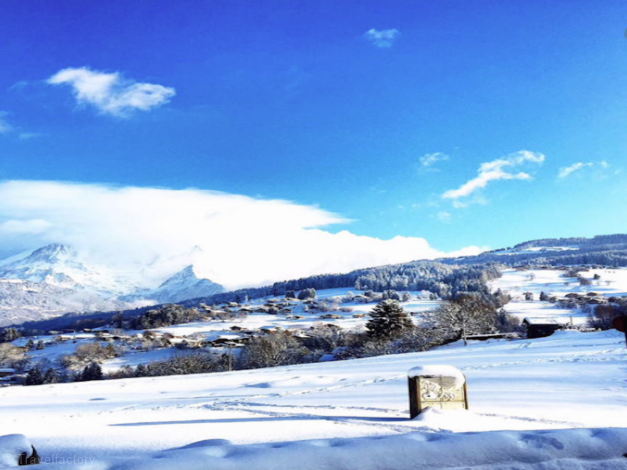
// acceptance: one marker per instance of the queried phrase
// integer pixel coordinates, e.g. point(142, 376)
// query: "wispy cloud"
point(5, 127)
point(494, 171)
point(444, 216)
point(130, 227)
point(566, 171)
point(430, 159)
point(110, 93)
point(382, 38)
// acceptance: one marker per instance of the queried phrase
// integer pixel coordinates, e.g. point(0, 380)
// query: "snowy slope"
point(24, 300)
point(61, 266)
point(569, 381)
point(611, 282)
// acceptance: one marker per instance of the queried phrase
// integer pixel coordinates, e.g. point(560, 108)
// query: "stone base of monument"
point(440, 387)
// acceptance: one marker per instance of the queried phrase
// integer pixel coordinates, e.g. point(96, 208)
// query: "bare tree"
point(465, 316)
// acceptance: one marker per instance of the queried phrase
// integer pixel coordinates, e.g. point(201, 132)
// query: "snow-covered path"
point(570, 380)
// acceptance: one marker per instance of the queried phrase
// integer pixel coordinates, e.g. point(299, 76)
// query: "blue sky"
point(373, 110)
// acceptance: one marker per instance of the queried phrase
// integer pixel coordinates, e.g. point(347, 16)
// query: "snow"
point(11, 447)
point(541, 321)
point(135, 358)
point(613, 282)
point(536, 249)
point(572, 449)
point(438, 371)
point(543, 404)
point(548, 403)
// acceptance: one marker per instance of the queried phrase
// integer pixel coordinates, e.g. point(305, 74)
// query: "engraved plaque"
point(440, 392)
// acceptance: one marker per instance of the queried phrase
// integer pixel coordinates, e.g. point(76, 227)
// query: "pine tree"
point(307, 294)
point(92, 372)
point(141, 371)
point(40, 345)
point(391, 294)
point(34, 377)
point(50, 377)
point(388, 320)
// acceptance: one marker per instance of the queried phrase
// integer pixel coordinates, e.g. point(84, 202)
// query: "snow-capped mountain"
point(22, 301)
point(182, 286)
point(61, 266)
point(56, 279)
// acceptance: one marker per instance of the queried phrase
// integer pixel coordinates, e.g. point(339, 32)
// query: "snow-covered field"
point(549, 403)
point(612, 282)
point(343, 410)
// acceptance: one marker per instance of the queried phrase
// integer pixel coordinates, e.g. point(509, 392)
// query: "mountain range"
point(55, 279)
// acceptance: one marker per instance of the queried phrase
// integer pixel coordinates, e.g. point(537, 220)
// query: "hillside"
point(350, 414)
point(443, 277)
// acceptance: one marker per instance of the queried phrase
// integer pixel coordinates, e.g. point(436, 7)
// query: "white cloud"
point(494, 171)
point(430, 159)
point(6, 128)
point(566, 171)
point(235, 240)
point(110, 93)
point(382, 38)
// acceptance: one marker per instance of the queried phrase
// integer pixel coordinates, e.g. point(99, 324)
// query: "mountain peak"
point(51, 252)
point(186, 275)
point(185, 285)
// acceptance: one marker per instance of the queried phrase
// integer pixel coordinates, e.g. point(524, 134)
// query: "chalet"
point(6, 372)
point(64, 338)
point(301, 335)
point(508, 336)
point(359, 315)
point(270, 329)
point(226, 340)
point(330, 316)
point(540, 327)
point(219, 312)
point(189, 342)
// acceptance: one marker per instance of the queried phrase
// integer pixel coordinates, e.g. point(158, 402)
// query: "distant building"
point(540, 327)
